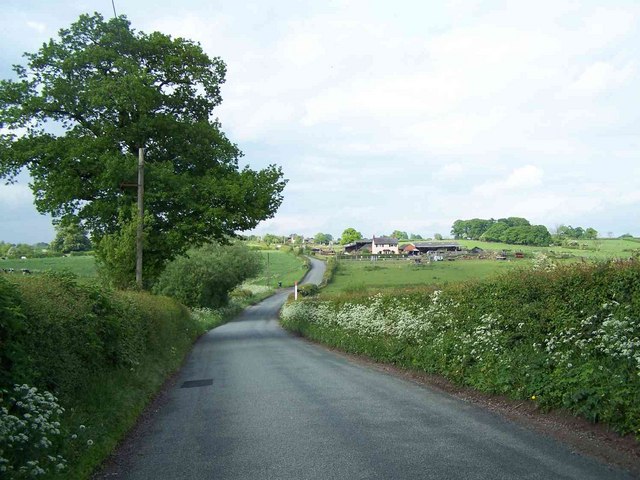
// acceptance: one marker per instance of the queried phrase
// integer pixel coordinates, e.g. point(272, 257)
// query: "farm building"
point(427, 247)
point(384, 245)
point(409, 249)
point(358, 246)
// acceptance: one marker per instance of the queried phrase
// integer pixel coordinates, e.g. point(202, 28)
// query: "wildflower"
point(533, 397)
point(89, 442)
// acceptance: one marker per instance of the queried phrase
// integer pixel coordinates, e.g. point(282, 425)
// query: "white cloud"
point(300, 49)
point(519, 179)
point(452, 170)
point(449, 109)
point(601, 76)
point(37, 26)
point(15, 196)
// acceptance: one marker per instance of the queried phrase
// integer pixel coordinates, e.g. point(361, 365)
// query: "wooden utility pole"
point(140, 232)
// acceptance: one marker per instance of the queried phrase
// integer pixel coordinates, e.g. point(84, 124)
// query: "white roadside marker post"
point(295, 291)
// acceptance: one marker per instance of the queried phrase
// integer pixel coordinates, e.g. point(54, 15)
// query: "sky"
point(403, 115)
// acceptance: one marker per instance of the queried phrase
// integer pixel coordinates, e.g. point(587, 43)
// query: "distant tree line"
point(400, 235)
point(577, 233)
point(70, 237)
point(512, 230)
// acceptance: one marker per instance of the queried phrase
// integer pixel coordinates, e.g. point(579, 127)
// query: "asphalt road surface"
point(254, 402)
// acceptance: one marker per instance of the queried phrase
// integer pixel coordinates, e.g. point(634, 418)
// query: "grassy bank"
point(102, 353)
point(566, 338)
point(280, 266)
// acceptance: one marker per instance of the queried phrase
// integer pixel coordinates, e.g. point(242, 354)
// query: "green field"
point(360, 276)
point(353, 276)
point(82, 266)
point(283, 267)
point(280, 267)
point(593, 249)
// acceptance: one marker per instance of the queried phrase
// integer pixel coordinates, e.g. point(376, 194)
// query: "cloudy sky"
point(403, 115)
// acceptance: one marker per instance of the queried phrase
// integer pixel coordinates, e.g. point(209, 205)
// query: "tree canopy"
point(270, 238)
point(513, 230)
point(350, 235)
point(85, 103)
point(323, 238)
point(400, 235)
point(577, 233)
point(70, 237)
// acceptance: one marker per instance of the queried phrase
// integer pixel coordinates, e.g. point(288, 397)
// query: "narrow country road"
point(254, 402)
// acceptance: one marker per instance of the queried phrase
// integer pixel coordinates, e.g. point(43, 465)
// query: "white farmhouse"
point(384, 245)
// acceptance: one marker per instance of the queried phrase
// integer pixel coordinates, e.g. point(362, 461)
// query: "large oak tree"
point(85, 103)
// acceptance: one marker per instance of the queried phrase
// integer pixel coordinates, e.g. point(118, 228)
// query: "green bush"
point(116, 252)
point(72, 331)
point(330, 270)
point(242, 293)
point(568, 337)
point(101, 353)
point(11, 323)
point(206, 275)
point(308, 290)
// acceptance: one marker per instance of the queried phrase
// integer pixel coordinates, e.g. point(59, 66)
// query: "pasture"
point(280, 266)
point(360, 276)
point(82, 266)
point(600, 249)
point(366, 276)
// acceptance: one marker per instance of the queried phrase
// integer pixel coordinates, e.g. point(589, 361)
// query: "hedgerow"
point(567, 337)
point(330, 270)
point(87, 359)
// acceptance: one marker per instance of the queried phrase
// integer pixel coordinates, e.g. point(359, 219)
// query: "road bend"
point(254, 402)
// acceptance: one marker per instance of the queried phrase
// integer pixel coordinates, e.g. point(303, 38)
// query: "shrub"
point(241, 293)
point(330, 270)
point(308, 290)
point(71, 331)
point(206, 275)
point(74, 331)
point(99, 353)
point(11, 323)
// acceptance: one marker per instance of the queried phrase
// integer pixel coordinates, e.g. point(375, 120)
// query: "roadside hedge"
point(70, 332)
point(102, 354)
point(567, 337)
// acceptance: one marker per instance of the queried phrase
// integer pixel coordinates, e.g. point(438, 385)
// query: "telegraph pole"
point(140, 232)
